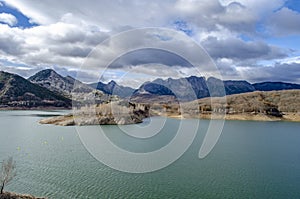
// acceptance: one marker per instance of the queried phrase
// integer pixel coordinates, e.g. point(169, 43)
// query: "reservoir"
point(250, 160)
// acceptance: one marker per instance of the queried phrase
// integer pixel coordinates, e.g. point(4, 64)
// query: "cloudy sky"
point(256, 40)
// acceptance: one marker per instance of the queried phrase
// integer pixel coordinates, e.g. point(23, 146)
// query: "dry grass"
point(266, 106)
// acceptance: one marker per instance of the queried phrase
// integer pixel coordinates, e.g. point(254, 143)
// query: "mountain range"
point(192, 88)
point(47, 88)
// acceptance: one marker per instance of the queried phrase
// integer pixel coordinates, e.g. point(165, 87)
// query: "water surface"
point(251, 160)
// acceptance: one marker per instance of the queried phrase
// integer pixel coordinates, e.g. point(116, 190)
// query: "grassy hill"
point(257, 102)
point(259, 105)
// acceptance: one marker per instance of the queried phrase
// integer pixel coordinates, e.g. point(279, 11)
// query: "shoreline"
point(12, 195)
point(287, 117)
point(68, 120)
point(35, 109)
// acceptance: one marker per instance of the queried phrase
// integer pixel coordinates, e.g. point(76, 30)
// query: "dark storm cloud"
point(279, 72)
point(71, 51)
point(237, 49)
point(150, 56)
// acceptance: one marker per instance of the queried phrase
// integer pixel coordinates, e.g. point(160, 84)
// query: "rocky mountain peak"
point(56, 83)
point(112, 82)
point(43, 75)
point(112, 88)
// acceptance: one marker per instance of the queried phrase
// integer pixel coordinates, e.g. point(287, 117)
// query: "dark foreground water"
point(251, 160)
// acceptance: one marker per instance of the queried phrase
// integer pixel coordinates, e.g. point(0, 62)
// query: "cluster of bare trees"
point(7, 173)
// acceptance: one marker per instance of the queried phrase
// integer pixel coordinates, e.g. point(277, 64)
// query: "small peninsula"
point(117, 112)
point(256, 106)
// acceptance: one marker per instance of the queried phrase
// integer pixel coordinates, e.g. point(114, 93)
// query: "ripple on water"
point(244, 163)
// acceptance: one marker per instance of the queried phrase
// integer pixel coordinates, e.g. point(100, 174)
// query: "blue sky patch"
point(23, 21)
point(293, 5)
point(184, 27)
point(288, 42)
point(245, 38)
point(8, 63)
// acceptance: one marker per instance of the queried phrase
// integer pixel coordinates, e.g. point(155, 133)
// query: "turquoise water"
point(250, 160)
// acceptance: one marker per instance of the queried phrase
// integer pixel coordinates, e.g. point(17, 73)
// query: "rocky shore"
point(292, 117)
point(10, 195)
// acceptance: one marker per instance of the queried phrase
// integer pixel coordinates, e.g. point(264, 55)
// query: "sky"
point(254, 40)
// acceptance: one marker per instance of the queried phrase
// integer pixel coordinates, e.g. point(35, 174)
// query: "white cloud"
point(55, 44)
point(238, 15)
point(290, 60)
point(8, 19)
point(106, 14)
point(285, 22)
point(69, 30)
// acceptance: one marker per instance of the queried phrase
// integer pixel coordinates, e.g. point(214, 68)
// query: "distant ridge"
point(275, 86)
point(192, 88)
point(112, 88)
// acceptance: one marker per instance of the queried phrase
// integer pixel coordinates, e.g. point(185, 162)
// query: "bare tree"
point(7, 172)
